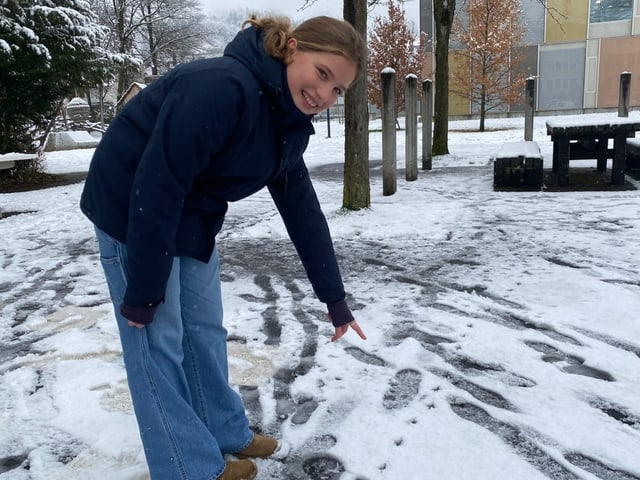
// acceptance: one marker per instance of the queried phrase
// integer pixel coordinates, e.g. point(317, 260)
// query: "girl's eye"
point(323, 74)
point(338, 91)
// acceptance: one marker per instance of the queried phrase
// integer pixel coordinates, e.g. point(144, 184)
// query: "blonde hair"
point(318, 34)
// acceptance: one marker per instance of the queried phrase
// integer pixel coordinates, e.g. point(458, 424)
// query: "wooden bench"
point(518, 164)
point(633, 154)
point(8, 160)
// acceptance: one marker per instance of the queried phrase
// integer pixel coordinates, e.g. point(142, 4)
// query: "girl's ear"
point(292, 46)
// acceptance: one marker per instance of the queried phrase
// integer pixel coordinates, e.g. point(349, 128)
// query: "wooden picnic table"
point(587, 136)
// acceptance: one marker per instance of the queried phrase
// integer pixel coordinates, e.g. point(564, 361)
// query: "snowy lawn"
point(504, 329)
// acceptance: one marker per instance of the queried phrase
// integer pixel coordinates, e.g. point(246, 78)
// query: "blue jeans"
point(188, 414)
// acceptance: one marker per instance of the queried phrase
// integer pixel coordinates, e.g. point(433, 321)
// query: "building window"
point(610, 10)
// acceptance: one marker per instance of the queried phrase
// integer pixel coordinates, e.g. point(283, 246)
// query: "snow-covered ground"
point(504, 329)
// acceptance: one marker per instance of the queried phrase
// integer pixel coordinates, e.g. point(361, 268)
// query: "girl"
point(211, 132)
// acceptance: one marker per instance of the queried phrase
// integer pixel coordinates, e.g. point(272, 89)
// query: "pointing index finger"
point(358, 330)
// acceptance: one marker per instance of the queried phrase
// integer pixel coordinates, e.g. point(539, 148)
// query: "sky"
point(503, 328)
point(293, 8)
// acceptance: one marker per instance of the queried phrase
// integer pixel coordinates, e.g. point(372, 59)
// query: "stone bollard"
point(427, 124)
point(529, 108)
point(388, 82)
point(411, 128)
point(623, 100)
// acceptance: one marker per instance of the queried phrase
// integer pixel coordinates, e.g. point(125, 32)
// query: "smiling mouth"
point(310, 102)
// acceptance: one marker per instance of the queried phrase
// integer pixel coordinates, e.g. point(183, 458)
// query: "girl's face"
point(316, 79)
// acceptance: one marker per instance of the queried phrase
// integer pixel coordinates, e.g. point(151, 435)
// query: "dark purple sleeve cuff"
point(141, 315)
point(340, 313)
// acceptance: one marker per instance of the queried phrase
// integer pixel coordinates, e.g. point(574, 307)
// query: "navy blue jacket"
point(209, 132)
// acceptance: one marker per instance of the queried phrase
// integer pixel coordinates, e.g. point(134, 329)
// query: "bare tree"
point(149, 31)
point(174, 32)
point(118, 16)
point(222, 29)
point(489, 34)
point(393, 44)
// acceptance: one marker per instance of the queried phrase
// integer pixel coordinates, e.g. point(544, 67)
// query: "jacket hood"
point(248, 48)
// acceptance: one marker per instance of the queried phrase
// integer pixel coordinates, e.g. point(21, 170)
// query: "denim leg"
point(205, 350)
point(177, 444)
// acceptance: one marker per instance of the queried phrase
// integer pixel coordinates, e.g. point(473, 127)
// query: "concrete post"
point(328, 123)
point(529, 108)
point(427, 124)
point(623, 100)
point(411, 128)
point(388, 82)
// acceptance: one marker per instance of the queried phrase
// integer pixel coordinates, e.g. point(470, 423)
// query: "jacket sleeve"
point(297, 202)
point(180, 145)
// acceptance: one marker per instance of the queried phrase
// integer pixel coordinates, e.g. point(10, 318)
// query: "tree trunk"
point(483, 107)
point(356, 191)
point(119, 7)
point(443, 12)
point(153, 54)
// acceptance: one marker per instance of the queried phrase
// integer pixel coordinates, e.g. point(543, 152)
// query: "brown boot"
point(260, 447)
point(239, 470)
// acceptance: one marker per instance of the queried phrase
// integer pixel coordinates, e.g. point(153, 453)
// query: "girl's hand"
point(340, 331)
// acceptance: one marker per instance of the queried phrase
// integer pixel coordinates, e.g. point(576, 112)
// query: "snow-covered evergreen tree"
point(49, 50)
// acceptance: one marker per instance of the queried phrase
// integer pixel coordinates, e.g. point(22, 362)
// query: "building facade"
point(576, 49)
